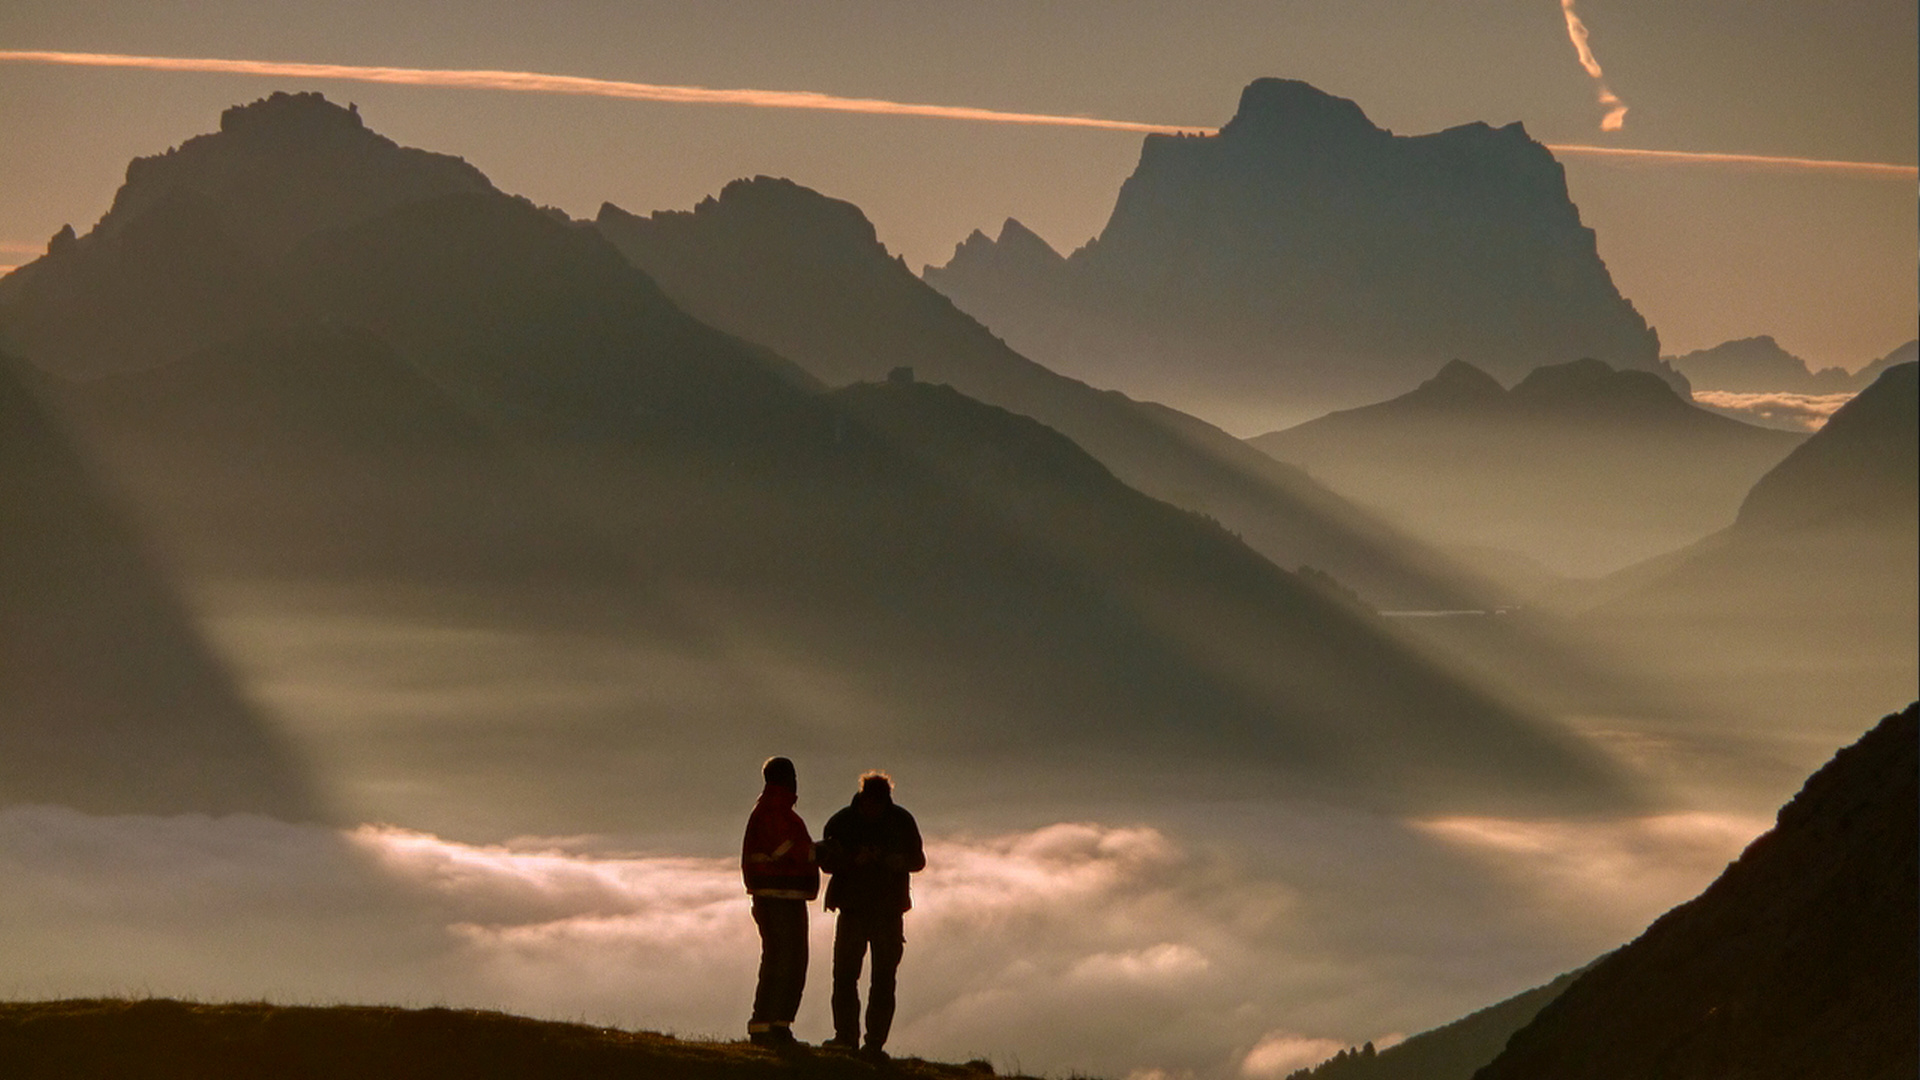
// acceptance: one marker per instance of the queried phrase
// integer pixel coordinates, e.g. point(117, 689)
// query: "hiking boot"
point(841, 1042)
point(872, 1052)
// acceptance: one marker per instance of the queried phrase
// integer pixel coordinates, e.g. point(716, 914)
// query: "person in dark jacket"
point(776, 859)
point(870, 848)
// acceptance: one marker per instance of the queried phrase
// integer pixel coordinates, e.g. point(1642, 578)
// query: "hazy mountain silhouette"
point(109, 700)
point(1578, 466)
point(1809, 601)
point(1304, 259)
point(804, 274)
point(1453, 1051)
point(1799, 961)
point(180, 259)
point(1759, 364)
point(945, 561)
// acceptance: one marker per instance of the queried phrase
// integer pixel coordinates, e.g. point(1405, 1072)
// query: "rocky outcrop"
point(1304, 258)
point(183, 258)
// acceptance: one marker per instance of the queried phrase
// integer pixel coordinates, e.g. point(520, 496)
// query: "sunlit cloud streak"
point(1767, 161)
point(1280, 1053)
point(1577, 31)
point(533, 82)
point(539, 83)
point(1612, 865)
point(1808, 412)
point(1115, 949)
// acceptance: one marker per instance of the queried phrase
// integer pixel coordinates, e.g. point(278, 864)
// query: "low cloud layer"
point(1076, 946)
point(1799, 412)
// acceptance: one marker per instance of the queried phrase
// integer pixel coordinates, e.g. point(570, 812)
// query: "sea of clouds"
point(1247, 940)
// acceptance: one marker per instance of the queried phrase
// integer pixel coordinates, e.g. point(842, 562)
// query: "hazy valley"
point(403, 582)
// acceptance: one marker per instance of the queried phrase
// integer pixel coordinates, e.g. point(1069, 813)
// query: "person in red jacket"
point(776, 859)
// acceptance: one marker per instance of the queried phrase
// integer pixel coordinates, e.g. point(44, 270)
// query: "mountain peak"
point(1459, 379)
point(1291, 109)
point(777, 206)
point(280, 114)
point(1018, 241)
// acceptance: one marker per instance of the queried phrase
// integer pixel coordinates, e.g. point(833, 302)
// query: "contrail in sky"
point(1577, 31)
point(1695, 157)
point(535, 82)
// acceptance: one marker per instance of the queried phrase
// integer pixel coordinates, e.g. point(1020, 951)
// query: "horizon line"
point(808, 100)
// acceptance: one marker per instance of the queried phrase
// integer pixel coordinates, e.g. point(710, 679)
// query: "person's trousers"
point(783, 962)
point(856, 934)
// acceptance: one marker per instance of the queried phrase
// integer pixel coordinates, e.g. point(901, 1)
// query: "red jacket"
point(776, 856)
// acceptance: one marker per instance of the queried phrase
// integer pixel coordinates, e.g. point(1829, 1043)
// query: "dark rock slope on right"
point(1799, 962)
point(1305, 259)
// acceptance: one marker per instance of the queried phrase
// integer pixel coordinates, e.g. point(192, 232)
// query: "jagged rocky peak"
point(283, 115)
point(1017, 238)
point(287, 166)
point(232, 204)
point(1018, 251)
point(771, 209)
point(1291, 109)
point(1305, 259)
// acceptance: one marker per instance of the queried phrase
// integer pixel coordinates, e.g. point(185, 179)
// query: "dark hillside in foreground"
point(170, 1040)
point(1802, 960)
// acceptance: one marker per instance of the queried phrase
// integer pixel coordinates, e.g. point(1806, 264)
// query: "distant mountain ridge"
point(1816, 576)
point(1759, 364)
point(806, 275)
point(1305, 259)
point(468, 390)
point(1579, 466)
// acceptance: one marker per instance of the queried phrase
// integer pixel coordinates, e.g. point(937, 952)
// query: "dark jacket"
point(870, 857)
point(776, 856)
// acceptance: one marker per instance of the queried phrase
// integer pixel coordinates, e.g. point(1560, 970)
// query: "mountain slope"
point(1807, 605)
point(179, 259)
point(1578, 466)
point(485, 396)
point(805, 275)
point(1304, 259)
point(1799, 961)
point(109, 699)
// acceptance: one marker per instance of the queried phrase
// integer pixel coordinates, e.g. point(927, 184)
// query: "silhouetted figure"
point(870, 847)
point(776, 858)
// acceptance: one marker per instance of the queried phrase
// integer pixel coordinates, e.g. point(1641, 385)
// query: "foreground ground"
point(162, 1039)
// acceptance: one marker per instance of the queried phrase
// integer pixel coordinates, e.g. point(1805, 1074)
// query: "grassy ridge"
point(163, 1039)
